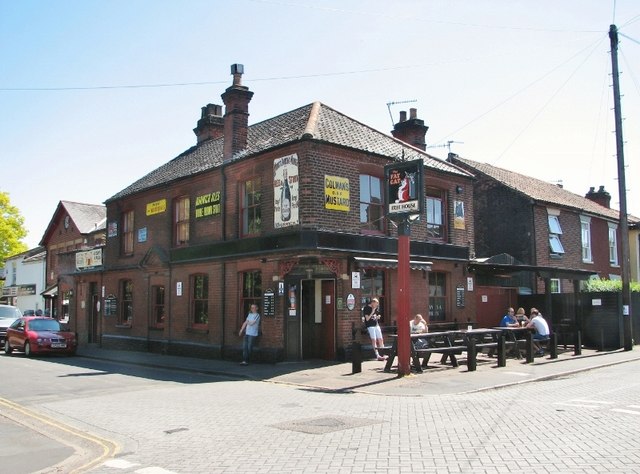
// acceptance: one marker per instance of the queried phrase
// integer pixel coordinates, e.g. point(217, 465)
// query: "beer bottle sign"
point(285, 191)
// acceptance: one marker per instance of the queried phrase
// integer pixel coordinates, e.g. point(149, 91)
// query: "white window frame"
point(585, 231)
point(555, 231)
point(554, 285)
point(613, 244)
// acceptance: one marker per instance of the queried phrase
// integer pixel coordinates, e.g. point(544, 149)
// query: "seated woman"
point(522, 317)
point(418, 324)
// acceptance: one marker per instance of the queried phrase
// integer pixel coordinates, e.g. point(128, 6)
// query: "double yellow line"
point(107, 448)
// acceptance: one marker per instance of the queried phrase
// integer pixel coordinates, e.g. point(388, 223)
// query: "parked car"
point(39, 335)
point(8, 314)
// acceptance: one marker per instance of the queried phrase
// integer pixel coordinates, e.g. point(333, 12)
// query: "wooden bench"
point(447, 352)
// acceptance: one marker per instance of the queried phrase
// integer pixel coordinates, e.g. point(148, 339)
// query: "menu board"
point(110, 306)
point(269, 303)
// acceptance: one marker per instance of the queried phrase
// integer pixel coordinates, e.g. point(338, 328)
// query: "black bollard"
point(577, 348)
point(356, 357)
point(529, 347)
point(553, 346)
point(502, 353)
point(471, 355)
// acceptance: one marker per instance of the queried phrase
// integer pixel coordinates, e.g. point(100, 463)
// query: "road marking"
point(634, 406)
point(630, 412)
point(109, 448)
point(154, 470)
point(119, 464)
point(591, 401)
point(576, 405)
point(521, 374)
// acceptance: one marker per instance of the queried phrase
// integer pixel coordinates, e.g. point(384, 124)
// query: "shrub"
point(612, 286)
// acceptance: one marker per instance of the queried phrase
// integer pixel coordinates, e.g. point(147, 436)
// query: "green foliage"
point(12, 229)
point(612, 286)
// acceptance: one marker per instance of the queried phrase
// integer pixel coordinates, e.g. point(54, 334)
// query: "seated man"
point(542, 330)
point(509, 319)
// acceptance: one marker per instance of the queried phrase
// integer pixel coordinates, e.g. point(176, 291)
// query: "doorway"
point(311, 334)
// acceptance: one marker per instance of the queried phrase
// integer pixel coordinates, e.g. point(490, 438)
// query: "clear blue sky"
point(521, 84)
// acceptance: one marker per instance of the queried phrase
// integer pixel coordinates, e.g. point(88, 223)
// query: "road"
point(162, 421)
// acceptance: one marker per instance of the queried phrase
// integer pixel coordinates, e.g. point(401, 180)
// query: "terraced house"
point(287, 213)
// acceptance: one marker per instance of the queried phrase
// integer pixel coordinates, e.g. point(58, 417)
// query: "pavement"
point(326, 376)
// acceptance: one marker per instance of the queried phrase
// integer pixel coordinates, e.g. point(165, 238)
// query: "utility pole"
point(624, 225)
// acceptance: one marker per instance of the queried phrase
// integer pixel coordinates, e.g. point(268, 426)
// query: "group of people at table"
point(418, 325)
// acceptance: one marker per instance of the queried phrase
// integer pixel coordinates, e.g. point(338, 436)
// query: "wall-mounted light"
point(459, 189)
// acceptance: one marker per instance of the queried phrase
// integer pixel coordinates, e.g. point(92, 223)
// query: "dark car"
point(8, 314)
point(39, 335)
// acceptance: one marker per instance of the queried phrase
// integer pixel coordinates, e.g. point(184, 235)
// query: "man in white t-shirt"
point(542, 330)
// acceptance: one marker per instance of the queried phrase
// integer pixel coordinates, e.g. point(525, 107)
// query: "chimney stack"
point(411, 131)
point(236, 118)
point(211, 123)
point(601, 196)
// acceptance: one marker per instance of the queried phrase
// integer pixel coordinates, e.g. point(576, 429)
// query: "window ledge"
point(156, 328)
point(123, 326)
point(198, 330)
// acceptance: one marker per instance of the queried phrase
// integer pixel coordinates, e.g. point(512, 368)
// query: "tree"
point(12, 229)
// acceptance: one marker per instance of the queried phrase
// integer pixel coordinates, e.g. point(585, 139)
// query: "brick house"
point(286, 213)
point(74, 242)
point(559, 237)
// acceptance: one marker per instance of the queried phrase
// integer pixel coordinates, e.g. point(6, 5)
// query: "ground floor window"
point(157, 293)
point(437, 296)
point(251, 293)
point(200, 300)
point(126, 306)
point(372, 284)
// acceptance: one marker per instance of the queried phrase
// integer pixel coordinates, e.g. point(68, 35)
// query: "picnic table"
point(449, 344)
point(423, 345)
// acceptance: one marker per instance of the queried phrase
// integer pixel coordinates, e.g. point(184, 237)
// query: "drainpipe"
point(223, 303)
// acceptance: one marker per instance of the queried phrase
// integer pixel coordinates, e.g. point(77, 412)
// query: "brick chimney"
point(211, 123)
point(601, 196)
point(411, 131)
point(236, 118)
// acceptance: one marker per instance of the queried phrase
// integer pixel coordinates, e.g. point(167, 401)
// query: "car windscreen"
point(44, 325)
point(8, 312)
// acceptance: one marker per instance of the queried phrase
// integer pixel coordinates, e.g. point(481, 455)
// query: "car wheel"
point(7, 348)
point(27, 349)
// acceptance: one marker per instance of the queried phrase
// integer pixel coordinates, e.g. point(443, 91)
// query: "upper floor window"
point(251, 292)
point(585, 225)
point(555, 231)
point(250, 207)
point(181, 220)
point(157, 293)
point(127, 233)
point(371, 205)
point(126, 305)
point(613, 244)
point(434, 204)
point(200, 300)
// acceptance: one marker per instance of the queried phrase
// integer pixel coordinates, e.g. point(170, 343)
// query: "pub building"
point(289, 214)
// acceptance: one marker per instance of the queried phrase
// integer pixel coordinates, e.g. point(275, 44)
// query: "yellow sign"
point(336, 193)
point(156, 207)
point(208, 205)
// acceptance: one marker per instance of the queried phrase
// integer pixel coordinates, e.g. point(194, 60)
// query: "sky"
point(94, 94)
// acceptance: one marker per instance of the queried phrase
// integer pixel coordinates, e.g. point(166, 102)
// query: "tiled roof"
point(86, 217)
point(538, 190)
point(316, 121)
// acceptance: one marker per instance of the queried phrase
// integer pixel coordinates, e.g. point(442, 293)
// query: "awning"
point(542, 271)
point(364, 262)
point(50, 292)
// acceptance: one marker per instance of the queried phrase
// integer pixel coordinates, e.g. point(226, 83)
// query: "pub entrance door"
point(311, 327)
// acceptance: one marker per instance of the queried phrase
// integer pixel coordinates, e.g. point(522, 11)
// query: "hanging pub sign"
point(404, 189)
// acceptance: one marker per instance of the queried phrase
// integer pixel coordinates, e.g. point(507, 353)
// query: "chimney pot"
point(403, 115)
point(413, 113)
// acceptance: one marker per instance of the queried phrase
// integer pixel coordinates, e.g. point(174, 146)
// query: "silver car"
point(8, 314)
